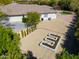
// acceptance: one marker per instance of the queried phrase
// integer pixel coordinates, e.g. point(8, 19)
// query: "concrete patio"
point(57, 26)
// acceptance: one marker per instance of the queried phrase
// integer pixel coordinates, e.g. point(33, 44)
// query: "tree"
point(4, 2)
point(70, 4)
point(53, 2)
point(43, 2)
point(27, 22)
point(3, 16)
point(74, 5)
point(77, 29)
point(32, 18)
point(9, 44)
point(66, 55)
point(65, 4)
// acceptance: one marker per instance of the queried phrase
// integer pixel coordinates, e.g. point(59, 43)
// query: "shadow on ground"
point(70, 41)
point(29, 55)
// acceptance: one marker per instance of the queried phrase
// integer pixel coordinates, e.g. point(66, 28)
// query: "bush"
point(66, 12)
point(43, 3)
point(66, 55)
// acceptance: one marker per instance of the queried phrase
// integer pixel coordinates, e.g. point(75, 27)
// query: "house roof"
point(20, 9)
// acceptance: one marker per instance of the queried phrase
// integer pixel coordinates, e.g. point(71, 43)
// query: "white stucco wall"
point(52, 16)
point(19, 18)
point(15, 19)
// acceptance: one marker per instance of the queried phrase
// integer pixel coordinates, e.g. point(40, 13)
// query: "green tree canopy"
point(3, 16)
point(74, 4)
point(66, 55)
point(9, 44)
point(65, 4)
point(4, 2)
point(77, 29)
point(32, 18)
point(53, 2)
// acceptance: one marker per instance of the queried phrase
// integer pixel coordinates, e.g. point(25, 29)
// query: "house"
point(16, 11)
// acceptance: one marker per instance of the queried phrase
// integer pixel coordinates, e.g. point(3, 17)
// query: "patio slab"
point(57, 26)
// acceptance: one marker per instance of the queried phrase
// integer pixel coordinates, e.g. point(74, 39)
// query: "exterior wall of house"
point(43, 17)
point(15, 19)
point(48, 16)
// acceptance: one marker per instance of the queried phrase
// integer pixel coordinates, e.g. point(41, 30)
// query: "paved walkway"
point(31, 42)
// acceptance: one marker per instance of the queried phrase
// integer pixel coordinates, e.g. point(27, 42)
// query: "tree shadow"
point(29, 55)
point(76, 47)
point(70, 41)
point(58, 56)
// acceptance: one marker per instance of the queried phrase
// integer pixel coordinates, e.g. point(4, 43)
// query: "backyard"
point(58, 26)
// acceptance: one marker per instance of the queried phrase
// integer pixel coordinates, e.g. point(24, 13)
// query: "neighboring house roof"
point(20, 9)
